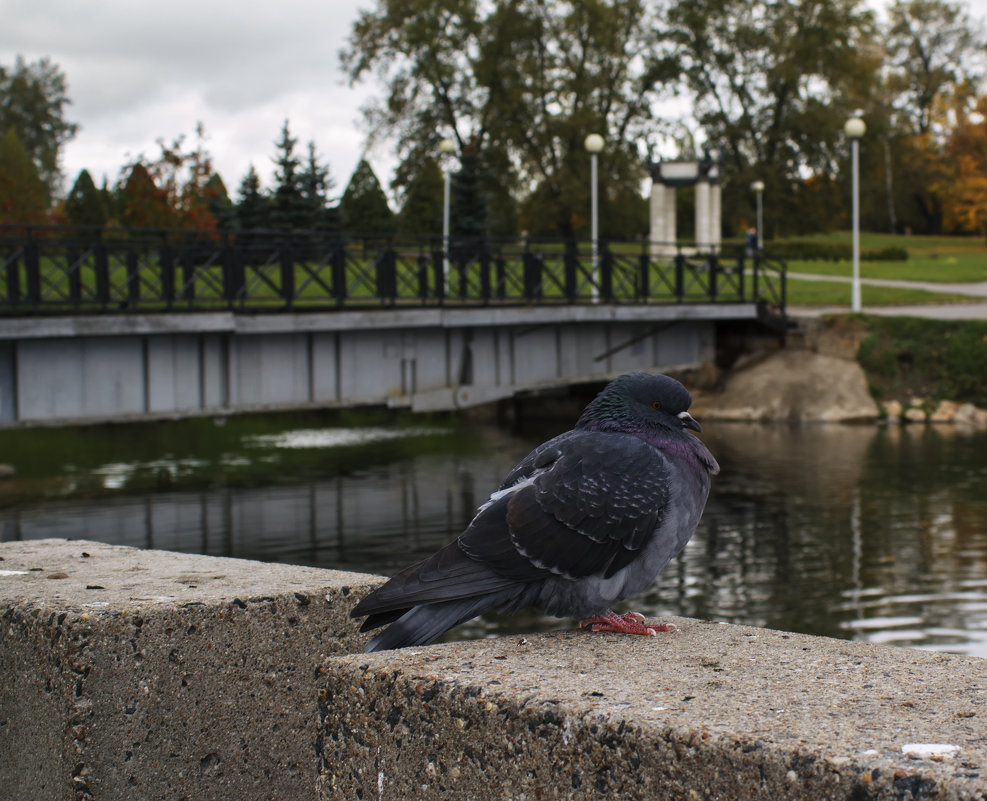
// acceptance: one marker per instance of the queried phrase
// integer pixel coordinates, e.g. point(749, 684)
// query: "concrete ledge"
point(710, 711)
point(130, 674)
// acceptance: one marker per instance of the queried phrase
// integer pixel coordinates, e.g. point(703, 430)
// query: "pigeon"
point(587, 519)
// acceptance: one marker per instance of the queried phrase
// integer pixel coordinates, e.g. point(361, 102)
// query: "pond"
point(863, 532)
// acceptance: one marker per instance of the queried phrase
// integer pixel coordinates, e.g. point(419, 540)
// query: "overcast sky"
point(142, 70)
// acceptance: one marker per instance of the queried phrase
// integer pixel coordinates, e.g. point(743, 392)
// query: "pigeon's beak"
point(688, 421)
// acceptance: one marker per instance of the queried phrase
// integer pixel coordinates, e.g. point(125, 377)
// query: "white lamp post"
point(447, 147)
point(855, 128)
point(757, 187)
point(594, 144)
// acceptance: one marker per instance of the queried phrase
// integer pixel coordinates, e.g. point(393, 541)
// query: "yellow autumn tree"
point(963, 187)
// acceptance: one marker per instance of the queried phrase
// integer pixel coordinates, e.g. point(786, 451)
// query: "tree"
point(253, 208)
point(33, 98)
point(84, 204)
point(218, 202)
point(773, 84)
point(524, 83)
point(289, 208)
point(935, 60)
point(143, 204)
point(23, 196)
point(315, 184)
point(964, 185)
point(364, 207)
point(421, 210)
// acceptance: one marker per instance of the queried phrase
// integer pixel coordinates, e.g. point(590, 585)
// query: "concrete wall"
point(67, 369)
point(146, 674)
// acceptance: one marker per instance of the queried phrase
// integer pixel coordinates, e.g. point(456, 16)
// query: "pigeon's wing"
point(584, 506)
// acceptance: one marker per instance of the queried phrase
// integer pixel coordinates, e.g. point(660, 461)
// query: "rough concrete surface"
point(130, 674)
point(710, 711)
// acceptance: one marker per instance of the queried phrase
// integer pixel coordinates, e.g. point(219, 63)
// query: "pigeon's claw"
point(628, 623)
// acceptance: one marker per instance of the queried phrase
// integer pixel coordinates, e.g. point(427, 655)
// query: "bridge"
point(102, 324)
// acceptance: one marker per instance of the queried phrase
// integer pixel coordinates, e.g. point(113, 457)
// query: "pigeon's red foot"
point(628, 623)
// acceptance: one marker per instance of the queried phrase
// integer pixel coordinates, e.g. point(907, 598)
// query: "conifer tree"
point(253, 208)
point(289, 209)
point(84, 204)
point(218, 202)
point(316, 183)
point(143, 204)
point(364, 207)
point(23, 196)
point(421, 212)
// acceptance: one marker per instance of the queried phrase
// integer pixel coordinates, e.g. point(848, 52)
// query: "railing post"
point(74, 266)
point(167, 261)
point(501, 288)
point(679, 276)
point(387, 284)
point(569, 268)
point(755, 290)
point(102, 271)
point(287, 273)
point(438, 268)
point(133, 276)
point(714, 267)
point(484, 273)
point(13, 278)
point(644, 272)
point(33, 269)
point(532, 276)
point(606, 272)
point(422, 276)
point(337, 264)
point(741, 279)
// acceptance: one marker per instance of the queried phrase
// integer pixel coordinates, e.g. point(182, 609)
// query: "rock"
point(795, 386)
point(944, 412)
point(892, 411)
point(966, 415)
point(7, 471)
point(980, 419)
point(915, 414)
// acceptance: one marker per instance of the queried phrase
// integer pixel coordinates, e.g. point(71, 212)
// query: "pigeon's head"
point(638, 402)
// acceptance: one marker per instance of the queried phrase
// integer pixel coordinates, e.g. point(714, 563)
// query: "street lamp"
point(855, 128)
point(757, 187)
point(447, 147)
point(594, 144)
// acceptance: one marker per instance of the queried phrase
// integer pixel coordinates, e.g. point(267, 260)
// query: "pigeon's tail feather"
point(422, 624)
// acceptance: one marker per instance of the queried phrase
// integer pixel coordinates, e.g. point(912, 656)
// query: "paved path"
point(940, 311)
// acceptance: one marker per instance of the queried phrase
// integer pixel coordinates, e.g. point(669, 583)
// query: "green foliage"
point(85, 204)
point(421, 212)
point(814, 250)
point(142, 203)
point(33, 98)
point(364, 207)
point(23, 197)
point(944, 360)
point(289, 208)
point(253, 208)
point(218, 202)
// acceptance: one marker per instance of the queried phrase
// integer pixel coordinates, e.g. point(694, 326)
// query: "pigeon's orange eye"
point(656, 405)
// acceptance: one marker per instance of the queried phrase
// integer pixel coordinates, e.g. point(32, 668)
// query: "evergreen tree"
point(289, 209)
point(218, 202)
point(143, 204)
point(23, 196)
point(364, 207)
point(84, 204)
point(253, 208)
point(33, 98)
point(315, 185)
point(468, 209)
point(421, 213)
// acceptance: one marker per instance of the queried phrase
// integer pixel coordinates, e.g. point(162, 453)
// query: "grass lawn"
point(937, 259)
point(830, 293)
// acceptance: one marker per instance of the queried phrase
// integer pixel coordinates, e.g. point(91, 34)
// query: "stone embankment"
point(145, 674)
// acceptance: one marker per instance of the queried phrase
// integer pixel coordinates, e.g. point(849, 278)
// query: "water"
point(860, 532)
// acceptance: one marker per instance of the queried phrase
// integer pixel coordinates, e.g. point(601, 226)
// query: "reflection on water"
point(861, 532)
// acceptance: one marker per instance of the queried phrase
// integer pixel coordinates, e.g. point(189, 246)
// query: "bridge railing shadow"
point(78, 270)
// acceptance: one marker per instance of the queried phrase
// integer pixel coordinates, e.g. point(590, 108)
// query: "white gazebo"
point(666, 177)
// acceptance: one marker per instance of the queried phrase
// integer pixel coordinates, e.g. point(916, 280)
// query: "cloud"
point(139, 72)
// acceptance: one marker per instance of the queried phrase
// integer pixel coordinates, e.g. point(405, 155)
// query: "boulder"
point(945, 412)
point(892, 411)
point(796, 386)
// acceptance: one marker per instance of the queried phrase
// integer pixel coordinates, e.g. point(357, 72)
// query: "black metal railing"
point(60, 270)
